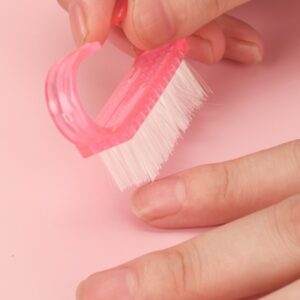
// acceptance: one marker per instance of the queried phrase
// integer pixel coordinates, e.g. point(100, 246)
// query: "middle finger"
point(251, 256)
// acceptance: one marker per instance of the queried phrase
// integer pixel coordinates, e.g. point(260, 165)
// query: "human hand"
point(257, 252)
point(150, 23)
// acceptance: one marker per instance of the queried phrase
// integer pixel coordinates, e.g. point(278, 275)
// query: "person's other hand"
point(257, 252)
point(150, 23)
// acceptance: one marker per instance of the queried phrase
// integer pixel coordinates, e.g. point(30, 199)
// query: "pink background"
point(61, 218)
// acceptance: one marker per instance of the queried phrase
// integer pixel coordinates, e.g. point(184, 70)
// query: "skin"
point(212, 34)
point(255, 200)
point(255, 252)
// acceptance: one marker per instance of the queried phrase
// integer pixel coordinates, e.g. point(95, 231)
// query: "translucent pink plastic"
point(127, 108)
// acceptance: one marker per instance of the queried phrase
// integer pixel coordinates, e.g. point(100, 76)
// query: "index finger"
point(218, 193)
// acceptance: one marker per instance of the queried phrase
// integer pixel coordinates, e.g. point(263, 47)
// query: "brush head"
point(136, 130)
point(140, 159)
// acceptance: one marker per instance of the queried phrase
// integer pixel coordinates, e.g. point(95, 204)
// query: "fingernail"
point(160, 199)
point(118, 284)
point(244, 51)
point(207, 51)
point(252, 50)
point(78, 23)
point(153, 21)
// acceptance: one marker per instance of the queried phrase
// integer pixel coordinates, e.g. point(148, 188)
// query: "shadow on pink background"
point(61, 218)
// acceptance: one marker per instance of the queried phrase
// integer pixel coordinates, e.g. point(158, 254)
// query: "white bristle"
point(140, 159)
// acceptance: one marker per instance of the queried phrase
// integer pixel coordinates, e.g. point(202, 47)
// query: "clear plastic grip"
point(127, 108)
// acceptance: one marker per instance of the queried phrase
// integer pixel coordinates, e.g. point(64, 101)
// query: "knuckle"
point(293, 221)
point(295, 153)
point(225, 180)
point(177, 266)
point(222, 189)
point(226, 193)
point(286, 220)
point(184, 267)
point(161, 275)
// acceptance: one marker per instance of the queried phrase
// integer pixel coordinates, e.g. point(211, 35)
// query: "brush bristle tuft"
point(140, 159)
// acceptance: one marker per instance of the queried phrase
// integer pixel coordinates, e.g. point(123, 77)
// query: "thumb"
point(150, 23)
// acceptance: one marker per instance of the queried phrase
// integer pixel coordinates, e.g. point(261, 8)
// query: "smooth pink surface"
point(61, 217)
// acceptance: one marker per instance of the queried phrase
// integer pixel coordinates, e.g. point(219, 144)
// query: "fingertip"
point(244, 52)
point(244, 44)
point(90, 20)
point(118, 283)
point(208, 44)
point(157, 200)
point(78, 23)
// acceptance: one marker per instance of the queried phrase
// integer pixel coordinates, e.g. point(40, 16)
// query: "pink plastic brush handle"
point(125, 111)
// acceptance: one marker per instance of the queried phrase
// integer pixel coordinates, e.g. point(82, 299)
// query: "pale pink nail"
point(207, 51)
point(251, 50)
point(257, 54)
point(160, 199)
point(244, 51)
point(120, 283)
point(78, 23)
